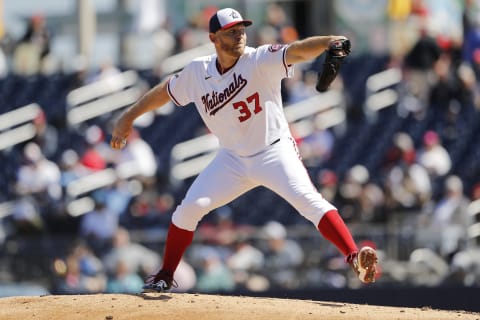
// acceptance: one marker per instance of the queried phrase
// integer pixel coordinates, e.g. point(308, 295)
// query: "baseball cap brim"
point(226, 18)
point(246, 23)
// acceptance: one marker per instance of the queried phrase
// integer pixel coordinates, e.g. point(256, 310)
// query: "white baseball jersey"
point(242, 107)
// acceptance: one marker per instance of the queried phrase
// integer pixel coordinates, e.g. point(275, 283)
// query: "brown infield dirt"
point(181, 306)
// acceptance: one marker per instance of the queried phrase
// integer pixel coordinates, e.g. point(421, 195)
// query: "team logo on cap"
point(234, 15)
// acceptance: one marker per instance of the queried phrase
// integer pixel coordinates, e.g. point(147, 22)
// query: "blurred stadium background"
point(393, 143)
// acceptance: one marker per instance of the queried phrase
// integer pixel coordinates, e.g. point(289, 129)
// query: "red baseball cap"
point(226, 18)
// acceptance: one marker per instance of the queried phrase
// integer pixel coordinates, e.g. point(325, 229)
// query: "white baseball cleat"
point(365, 264)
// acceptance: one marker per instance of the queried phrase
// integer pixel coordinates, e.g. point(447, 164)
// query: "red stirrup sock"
point(177, 242)
point(333, 228)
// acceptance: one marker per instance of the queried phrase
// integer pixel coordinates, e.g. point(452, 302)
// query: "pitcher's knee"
point(314, 210)
point(188, 214)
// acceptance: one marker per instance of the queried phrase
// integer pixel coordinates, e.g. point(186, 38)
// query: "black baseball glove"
point(335, 55)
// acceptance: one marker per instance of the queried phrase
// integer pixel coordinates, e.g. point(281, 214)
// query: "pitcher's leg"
point(285, 174)
point(221, 182)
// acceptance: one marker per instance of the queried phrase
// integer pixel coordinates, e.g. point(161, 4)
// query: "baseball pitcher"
point(237, 93)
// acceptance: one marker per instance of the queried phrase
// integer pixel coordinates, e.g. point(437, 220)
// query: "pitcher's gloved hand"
point(336, 53)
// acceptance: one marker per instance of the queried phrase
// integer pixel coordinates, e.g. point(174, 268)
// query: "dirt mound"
point(180, 306)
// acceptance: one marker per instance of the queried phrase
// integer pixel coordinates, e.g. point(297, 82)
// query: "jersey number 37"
point(244, 107)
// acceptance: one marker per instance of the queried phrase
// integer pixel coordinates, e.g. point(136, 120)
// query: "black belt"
point(275, 142)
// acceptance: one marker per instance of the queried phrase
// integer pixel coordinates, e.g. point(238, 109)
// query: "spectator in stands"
point(123, 280)
point(106, 72)
point(80, 272)
point(453, 95)
point(277, 18)
point(38, 176)
point(316, 148)
point(33, 48)
point(195, 33)
point(246, 261)
point(444, 227)
point(433, 156)
point(418, 66)
point(70, 167)
point(149, 208)
point(327, 182)
point(118, 196)
point(137, 159)
point(98, 226)
point(361, 199)
point(301, 86)
point(407, 183)
point(282, 256)
point(222, 231)
point(96, 156)
point(465, 268)
point(46, 135)
point(398, 12)
point(214, 275)
point(26, 217)
point(471, 47)
point(133, 257)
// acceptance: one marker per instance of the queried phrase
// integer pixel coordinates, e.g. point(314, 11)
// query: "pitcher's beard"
point(233, 51)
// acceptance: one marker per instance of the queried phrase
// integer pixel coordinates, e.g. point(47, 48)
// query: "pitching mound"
point(202, 307)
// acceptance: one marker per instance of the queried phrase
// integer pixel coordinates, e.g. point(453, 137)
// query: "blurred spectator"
point(124, 280)
point(70, 167)
point(246, 261)
point(328, 184)
point(33, 48)
point(222, 231)
point(407, 184)
point(467, 90)
point(471, 47)
point(282, 256)
point(80, 272)
point(98, 154)
point(137, 159)
point(38, 176)
point(98, 226)
point(399, 12)
point(277, 18)
point(26, 217)
point(106, 72)
point(195, 33)
point(316, 148)
point(150, 41)
point(418, 66)
point(46, 135)
point(433, 156)
point(300, 86)
point(465, 268)
point(427, 268)
point(118, 196)
point(214, 276)
point(133, 257)
point(150, 208)
point(444, 227)
point(359, 198)
point(442, 91)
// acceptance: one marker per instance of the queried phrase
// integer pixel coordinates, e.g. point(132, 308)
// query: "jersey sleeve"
point(271, 60)
point(178, 85)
